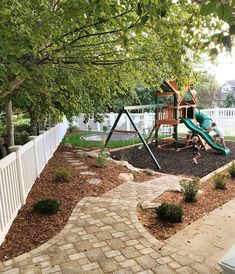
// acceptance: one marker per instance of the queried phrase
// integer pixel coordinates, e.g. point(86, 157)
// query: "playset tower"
point(176, 106)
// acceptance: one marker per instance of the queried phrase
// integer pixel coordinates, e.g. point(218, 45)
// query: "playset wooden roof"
point(170, 87)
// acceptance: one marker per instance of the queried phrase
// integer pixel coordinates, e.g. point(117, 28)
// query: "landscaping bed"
point(30, 229)
point(176, 162)
point(208, 200)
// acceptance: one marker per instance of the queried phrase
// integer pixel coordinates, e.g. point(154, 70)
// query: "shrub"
point(219, 181)
point(101, 160)
point(189, 189)
point(170, 212)
point(89, 127)
point(21, 138)
point(231, 170)
point(82, 154)
point(73, 128)
point(46, 206)
point(61, 174)
point(105, 128)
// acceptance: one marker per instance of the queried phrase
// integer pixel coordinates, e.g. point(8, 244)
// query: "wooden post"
point(176, 119)
point(156, 122)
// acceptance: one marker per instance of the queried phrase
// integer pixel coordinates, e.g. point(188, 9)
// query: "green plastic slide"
point(189, 124)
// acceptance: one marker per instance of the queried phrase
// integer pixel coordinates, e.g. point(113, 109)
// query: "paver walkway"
point(104, 235)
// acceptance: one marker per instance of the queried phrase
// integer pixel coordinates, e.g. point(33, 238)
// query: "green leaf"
point(226, 40)
point(207, 9)
point(139, 9)
point(213, 52)
point(144, 19)
point(224, 12)
point(3, 71)
point(145, 2)
point(232, 29)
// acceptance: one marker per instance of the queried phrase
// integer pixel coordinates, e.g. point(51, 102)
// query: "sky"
point(225, 67)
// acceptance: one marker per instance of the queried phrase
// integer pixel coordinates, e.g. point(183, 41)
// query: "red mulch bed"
point(30, 230)
point(210, 199)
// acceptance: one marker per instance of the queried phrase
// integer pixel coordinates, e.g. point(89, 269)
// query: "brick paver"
point(104, 235)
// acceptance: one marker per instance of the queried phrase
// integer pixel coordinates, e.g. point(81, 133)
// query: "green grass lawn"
point(229, 138)
point(75, 140)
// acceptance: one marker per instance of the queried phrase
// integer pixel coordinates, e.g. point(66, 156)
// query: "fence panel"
point(41, 153)
point(224, 117)
point(29, 165)
point(52, 139)
point(19, 170)
point(47, 142)
point(9, 193)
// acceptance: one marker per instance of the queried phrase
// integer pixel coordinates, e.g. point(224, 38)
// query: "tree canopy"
point(206, 86)
point(66, 57)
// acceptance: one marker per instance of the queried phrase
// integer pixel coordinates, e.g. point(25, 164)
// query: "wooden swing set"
point(170, 107)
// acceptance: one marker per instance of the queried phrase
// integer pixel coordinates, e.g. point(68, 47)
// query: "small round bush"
point(219, 181)
point(189, 189)
point(105, 128)
point(101, 160)
point(73, 128)
point(170, 212)
point(231, 170)
point(61, 174)
point(46, 206)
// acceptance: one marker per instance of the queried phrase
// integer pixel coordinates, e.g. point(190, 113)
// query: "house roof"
point(231, 82)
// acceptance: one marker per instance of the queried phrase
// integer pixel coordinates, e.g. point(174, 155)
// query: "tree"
point(206, 86)
point(229, 101)
point(75, 56)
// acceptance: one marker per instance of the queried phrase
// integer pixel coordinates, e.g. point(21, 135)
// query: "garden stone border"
point(220, 169)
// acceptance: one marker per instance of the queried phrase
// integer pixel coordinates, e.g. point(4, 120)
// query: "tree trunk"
point(33, 124)
point(42, 124)
point(3, 151)
point(9, 122)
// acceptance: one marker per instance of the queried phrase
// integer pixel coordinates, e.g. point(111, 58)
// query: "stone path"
point(71, 158)
point(104, 235)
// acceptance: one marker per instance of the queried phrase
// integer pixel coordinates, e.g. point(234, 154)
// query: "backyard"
point(117, 136)
point(87, 178)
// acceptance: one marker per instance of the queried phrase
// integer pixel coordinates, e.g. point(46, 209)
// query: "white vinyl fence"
point(20, 169)
point(224, 117)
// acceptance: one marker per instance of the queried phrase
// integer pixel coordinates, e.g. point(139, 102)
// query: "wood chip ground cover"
point(30, 230)
point(210, 199)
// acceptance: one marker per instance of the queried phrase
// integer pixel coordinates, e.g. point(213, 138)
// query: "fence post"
point(16, 149)
point(32, 138)
point(112, 119)
point(98, 127)
point(216, 115)
point(145, 117)
point(44, 145)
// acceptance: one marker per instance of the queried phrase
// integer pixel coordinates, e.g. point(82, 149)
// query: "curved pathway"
point(104, 235)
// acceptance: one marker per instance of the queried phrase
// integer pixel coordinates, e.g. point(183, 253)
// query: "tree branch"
point(15, 84)
point(84, 27)
point(94, 45)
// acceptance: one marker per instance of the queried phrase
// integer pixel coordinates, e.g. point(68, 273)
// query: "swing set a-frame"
point(125, 110)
